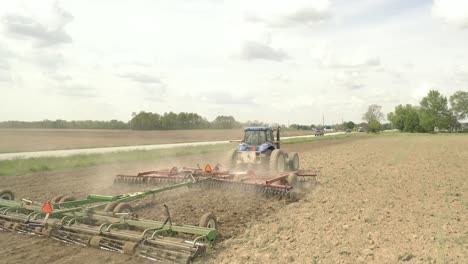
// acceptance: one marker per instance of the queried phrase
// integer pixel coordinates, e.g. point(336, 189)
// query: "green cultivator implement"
point(269, 183)
point(107, 222)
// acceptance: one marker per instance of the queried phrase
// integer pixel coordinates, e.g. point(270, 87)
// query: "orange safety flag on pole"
point(208, 168)
point(47, 208)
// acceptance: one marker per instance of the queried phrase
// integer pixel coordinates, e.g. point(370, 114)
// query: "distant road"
point(70, 152)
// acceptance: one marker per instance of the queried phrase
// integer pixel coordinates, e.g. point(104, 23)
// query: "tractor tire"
point(7, 195)
point(277, 161)
point(293, 161)
point(123, 208)
point(229, 162)
point(208, 220)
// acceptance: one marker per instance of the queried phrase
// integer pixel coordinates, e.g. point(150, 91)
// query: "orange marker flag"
point(47, 208)
point(208, 168)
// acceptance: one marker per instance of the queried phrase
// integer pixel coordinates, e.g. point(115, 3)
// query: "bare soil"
point(386, 199)
point(21, 140)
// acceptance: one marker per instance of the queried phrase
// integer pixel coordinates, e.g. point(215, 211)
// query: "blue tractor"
point(259, 148)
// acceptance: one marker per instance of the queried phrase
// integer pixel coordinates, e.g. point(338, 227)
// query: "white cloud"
point(42, 32)
point(77, 90)
point(350, 61)
point(277, 13)
point(296, 59)
point(352, 80)
point(226, 98)
point(141, 78)
point(252, 50)
point(454, 12)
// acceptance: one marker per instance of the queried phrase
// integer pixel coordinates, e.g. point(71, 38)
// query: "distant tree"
point(459, 104)
point(374, 126)
point(298, 127)
point(145, 121)
point(373, 116)
point(434, 112)
point(374, 112)
point(386, 126)
point(254, 123)
point(454, 125)
point(405, 118)
point(225, 122)
point(350, 125)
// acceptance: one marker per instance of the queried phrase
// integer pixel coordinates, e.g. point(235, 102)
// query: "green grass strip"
point(31, 165)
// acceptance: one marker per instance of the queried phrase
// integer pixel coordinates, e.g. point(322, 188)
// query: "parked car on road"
point(318, 132)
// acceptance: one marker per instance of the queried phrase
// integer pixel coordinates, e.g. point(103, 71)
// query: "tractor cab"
point(259, 139)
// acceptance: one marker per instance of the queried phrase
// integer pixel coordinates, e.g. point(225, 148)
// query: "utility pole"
point(323, 120)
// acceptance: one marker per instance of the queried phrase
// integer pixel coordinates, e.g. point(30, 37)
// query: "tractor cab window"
point(254, 138)
point(269, 136)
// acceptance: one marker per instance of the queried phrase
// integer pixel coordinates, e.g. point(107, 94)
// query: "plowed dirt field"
point(379, 199)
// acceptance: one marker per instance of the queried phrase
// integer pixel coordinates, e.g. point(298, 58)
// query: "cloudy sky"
point(275, 61)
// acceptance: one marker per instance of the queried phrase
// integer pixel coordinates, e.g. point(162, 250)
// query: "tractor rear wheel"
point(293, 161)
point(277, 161)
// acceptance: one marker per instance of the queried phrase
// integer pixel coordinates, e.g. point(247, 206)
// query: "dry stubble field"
point(383, 199)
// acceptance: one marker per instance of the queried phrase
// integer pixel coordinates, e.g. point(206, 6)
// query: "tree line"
point(140, 121)
point(432, 114)
point(171, 121)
